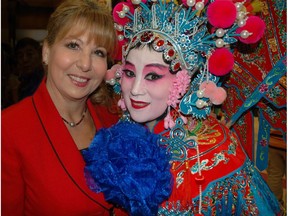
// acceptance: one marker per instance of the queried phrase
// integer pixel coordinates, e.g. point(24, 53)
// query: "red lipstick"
point(138, 104)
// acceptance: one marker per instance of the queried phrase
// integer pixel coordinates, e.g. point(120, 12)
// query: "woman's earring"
point(168, 120)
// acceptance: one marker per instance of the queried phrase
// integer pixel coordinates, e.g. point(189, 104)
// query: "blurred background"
point(25, 18)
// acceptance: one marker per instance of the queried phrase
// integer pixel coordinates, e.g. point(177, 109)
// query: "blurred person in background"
point(9, 79)
point(29, 66)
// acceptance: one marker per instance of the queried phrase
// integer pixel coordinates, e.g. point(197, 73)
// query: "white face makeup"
point(145, 84)
point(76, 66)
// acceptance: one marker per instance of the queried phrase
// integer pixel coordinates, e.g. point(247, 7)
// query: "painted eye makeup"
point(153, 76)
point(128, 73)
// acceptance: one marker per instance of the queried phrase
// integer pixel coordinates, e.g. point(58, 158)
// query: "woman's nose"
point(138, 87)
point(84, 63)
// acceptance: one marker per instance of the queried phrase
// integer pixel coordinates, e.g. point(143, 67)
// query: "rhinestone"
point(171, 53)
point(160, 43)
point(176, 66)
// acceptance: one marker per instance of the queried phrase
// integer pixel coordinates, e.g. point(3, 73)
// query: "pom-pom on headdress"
point(195, 35)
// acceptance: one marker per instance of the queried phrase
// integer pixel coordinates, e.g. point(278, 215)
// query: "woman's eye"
point(129, 73)
point(101, 53)
point(72, 45)
point(153, 76)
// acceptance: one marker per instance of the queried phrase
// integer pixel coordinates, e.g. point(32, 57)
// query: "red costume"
point(228, 182)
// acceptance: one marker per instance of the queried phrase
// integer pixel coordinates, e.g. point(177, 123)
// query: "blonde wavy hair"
point(90, 16)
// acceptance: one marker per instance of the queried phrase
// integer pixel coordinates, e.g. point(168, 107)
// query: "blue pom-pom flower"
point(126, 163)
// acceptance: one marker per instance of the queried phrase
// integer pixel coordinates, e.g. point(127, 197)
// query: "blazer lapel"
point(62, 143)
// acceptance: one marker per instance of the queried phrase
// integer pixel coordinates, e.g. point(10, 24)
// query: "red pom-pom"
point(221, 14)
point(118, 9)
point(221, 62)
point(254, 25)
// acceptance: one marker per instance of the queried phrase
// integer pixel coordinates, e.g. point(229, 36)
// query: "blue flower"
point(129, 167)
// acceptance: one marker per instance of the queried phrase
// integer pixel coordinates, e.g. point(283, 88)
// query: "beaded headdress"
point(194, 35)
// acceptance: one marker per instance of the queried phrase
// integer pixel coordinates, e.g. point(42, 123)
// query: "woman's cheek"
point(160, 87)
point(126, 84)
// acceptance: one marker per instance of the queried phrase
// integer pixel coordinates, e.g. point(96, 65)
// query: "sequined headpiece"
point(194, 35)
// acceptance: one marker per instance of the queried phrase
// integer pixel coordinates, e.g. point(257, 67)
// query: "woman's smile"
point(79, 80)
point(138, 104)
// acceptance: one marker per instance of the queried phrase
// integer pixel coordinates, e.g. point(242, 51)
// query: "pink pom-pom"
point(221, 14)
point(168, 122)
point(254, 25)
point(218, 96)
point(208, 88)
point(118, 9)
point(112, 72)
point(221, 62)
point(121, 104)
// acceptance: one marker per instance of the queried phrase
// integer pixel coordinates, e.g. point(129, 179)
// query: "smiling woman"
point(143, 73)
point(175, 55)
point(42, 167)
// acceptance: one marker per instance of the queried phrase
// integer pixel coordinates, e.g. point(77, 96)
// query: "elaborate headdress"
point(193, 36)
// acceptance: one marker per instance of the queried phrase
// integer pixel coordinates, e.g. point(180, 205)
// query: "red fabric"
point(213, 138)
point(34, 182)
point(252, 64)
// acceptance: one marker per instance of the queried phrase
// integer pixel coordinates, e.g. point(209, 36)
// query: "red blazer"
point(42, 169)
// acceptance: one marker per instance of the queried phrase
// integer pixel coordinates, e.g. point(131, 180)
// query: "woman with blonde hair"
point(43, 135)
